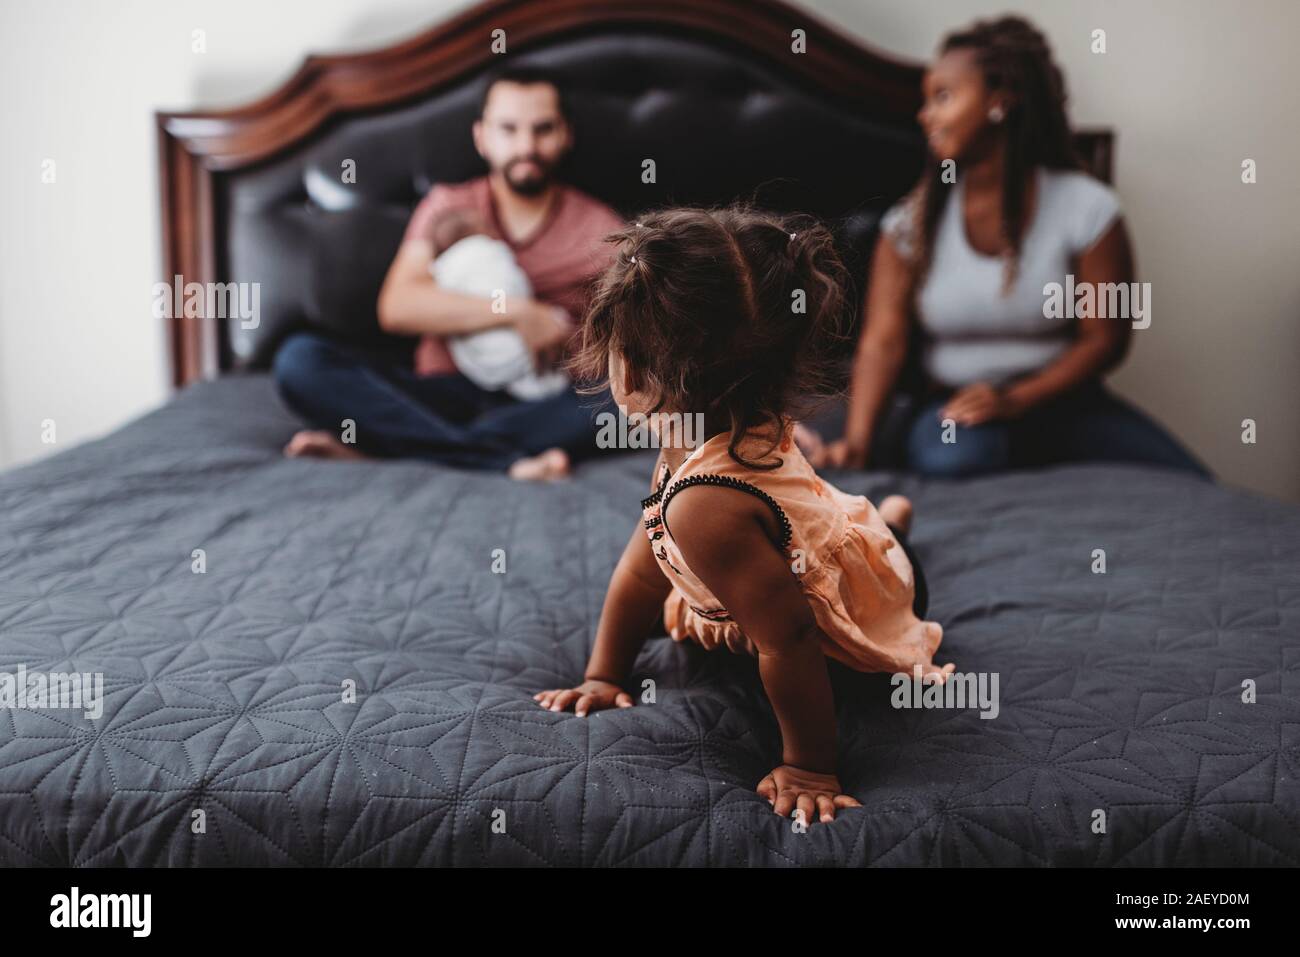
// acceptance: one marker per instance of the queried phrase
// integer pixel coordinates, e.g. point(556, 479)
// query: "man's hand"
point(789, 788)
point(545, 330)
point(977, 404)
point(594, 695)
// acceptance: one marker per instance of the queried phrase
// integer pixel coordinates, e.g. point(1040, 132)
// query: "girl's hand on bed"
point(789, 789)
point(589, 696)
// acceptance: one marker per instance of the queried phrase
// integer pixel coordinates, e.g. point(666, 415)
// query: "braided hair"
point(701, 305)
point(1014, 57)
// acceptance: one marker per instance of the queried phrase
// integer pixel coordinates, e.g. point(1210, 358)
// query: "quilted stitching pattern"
point(1119, 692)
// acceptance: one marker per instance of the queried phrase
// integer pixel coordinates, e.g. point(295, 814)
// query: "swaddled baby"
point(469, 261)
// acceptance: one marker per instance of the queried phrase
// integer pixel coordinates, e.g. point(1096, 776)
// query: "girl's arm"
point(632, 606)
point(726, 537)
point(1099, 345)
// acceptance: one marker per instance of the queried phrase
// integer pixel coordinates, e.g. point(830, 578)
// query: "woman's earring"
point(996, 114)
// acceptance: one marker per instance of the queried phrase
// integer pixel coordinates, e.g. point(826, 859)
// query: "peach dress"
point(855, 575)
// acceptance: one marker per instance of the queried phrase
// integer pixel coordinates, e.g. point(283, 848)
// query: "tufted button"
point(328, 192)
point(649, 103)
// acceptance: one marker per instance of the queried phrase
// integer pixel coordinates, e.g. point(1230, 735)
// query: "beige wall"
point(1191, 88)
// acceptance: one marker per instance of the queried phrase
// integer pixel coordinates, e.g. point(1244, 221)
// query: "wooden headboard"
point(718, 91)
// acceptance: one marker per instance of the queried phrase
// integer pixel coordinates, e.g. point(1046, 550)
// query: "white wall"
point(81, 80)
point(1191, 87)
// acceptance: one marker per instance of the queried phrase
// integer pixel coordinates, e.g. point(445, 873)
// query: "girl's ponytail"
point(736, 313)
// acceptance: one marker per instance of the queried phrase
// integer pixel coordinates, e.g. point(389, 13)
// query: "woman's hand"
point(789, 788)
point(977, 404)
point(593, 695)
point(843, 454)
point(810, 444)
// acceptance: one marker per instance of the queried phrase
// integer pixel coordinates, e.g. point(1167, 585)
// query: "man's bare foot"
point(896, 510)
point(321, 445)
point(547, 467)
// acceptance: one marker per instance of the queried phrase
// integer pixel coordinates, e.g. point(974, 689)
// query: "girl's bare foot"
point(547, 467)
point(929, 634)
point(933, 674)
point(321, 445)
point(897, 511)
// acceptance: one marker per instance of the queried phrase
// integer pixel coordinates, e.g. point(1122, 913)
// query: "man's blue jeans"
point(439, 418)
point(1088, 424)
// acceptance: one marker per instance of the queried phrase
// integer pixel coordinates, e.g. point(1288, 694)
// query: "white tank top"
point(976, 333)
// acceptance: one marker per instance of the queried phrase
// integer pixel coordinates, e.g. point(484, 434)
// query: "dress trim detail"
point(726, 481)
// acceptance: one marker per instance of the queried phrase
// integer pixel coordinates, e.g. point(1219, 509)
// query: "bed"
point(332, 664)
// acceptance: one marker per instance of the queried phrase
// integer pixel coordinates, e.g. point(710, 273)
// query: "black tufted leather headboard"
point(711, 90)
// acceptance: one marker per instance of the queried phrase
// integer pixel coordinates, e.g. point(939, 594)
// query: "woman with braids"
point(740, 546)
point(973, 255)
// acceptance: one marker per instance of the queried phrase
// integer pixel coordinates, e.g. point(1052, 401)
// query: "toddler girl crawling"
point(730, 315)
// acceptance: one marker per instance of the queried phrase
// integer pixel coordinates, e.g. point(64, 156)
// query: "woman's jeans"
point(438, 418)
point(1088, 424)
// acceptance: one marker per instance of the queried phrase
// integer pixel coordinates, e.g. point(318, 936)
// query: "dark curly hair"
point(1014, 57)
point(701, 305)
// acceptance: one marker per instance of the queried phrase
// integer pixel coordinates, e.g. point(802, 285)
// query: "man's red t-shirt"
point(560, 257)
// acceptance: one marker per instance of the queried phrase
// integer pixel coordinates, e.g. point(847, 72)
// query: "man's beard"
point(529, 187)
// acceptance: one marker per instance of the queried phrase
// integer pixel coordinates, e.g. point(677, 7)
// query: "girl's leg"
point(972, 451)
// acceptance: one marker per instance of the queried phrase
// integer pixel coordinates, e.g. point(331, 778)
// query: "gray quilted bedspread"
point(1147, 715)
